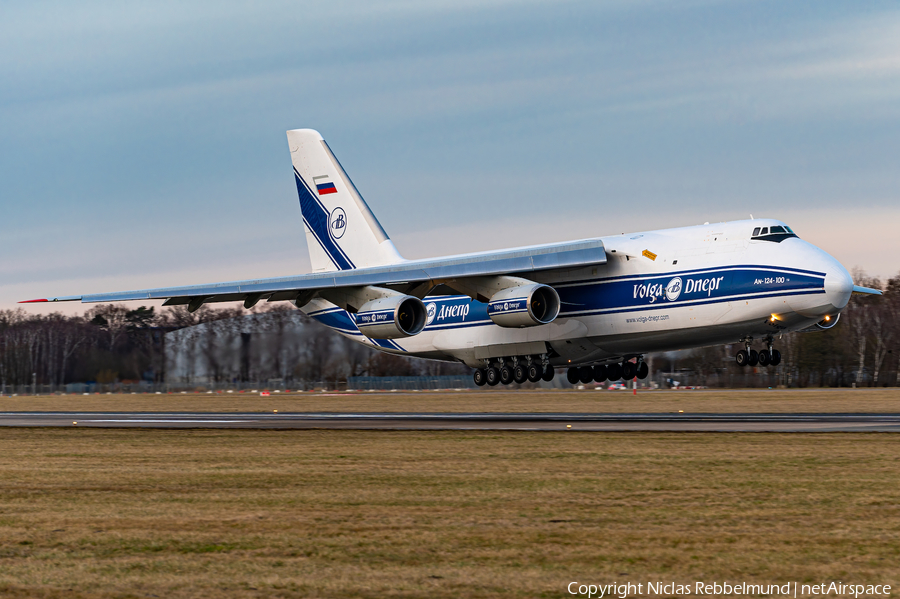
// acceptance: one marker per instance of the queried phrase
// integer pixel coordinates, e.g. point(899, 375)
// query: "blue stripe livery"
point(337, 319)
point(689, 287)
point(454, 312)
point(614, 295)
point(316, 218)
point(343, 322)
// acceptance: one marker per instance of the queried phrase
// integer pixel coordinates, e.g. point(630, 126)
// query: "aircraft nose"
point(838, 286)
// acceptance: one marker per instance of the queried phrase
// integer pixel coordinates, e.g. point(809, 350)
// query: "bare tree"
point(859, 313)
point(111, 318)
point(883, 327)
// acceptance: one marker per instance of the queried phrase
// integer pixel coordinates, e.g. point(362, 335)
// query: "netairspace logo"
point(789, 589)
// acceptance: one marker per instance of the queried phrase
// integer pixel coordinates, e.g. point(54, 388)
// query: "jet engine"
point(391, 317)
point(524, 306)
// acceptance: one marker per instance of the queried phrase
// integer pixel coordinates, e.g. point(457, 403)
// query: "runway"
point(696, 422)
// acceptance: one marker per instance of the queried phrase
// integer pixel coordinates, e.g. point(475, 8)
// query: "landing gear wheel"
point(775, 358)
point(742, 358)
point(764, 358)
point(548, 374)
point(492, 375)
point(629, 370)
point(643, 371)
point(506, 375)
point(520, 374)
point(754, 358)
point(600, 373)
point(480, 377)
point(614, 371)
point(572, 375)
point(535, 372)
point(586, 375)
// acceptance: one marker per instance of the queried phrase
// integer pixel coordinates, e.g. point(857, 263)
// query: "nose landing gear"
point(747, 357)
point(750, 357)
point(769, 356)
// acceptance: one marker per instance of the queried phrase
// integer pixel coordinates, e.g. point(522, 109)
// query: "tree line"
point(111, 343)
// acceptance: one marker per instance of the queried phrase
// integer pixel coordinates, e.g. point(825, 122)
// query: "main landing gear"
point(517, 369)
point(765, 357)
point(608, 372)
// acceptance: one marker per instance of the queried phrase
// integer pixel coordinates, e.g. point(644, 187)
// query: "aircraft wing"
point(865, 290)
point(408, 274)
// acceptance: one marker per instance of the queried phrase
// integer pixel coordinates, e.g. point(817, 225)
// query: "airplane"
point(595, 307)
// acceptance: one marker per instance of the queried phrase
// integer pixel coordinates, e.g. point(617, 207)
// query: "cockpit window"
point(775, 233)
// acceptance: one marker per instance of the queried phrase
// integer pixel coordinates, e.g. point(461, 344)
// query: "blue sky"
point(143, 143)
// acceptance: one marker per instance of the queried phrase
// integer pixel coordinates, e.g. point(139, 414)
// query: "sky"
point(143, 144)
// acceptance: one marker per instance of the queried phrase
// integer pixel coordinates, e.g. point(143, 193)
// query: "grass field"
point(494, 400)
point(89, 513)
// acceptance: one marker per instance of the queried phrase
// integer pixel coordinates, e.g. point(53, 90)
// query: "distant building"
point(281, 348)
point(255, 347)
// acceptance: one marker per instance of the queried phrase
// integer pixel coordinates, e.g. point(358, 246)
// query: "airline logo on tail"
point(323, 185)
point(337, 222)
point(341, 231)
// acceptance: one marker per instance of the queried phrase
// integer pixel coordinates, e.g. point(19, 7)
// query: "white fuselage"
point(659, 291)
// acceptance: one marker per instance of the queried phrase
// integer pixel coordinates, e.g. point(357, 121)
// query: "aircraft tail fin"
point(341, 231)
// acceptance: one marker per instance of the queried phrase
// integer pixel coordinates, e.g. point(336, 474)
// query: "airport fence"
point(363, 383)
point(723, 379)
point(175, 387)
point(354, 383)
point(390, 383)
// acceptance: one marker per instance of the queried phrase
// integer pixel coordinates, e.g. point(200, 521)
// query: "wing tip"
point(76, 298)
point(859, 290)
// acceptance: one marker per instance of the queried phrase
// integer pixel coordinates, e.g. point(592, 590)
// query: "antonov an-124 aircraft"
point(593, 306)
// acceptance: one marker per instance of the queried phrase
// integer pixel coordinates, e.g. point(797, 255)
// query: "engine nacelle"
point(391, 317)
point(524, 306)
point(823, 325)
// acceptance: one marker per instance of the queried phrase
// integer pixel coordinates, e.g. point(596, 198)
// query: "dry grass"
point(132, 513)
point(494, 400)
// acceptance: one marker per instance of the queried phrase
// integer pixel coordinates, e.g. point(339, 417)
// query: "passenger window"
point(755, 231)
point(777, 230)
point(765, 231)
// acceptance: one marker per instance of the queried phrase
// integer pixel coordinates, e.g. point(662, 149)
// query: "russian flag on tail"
point(323, 185)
